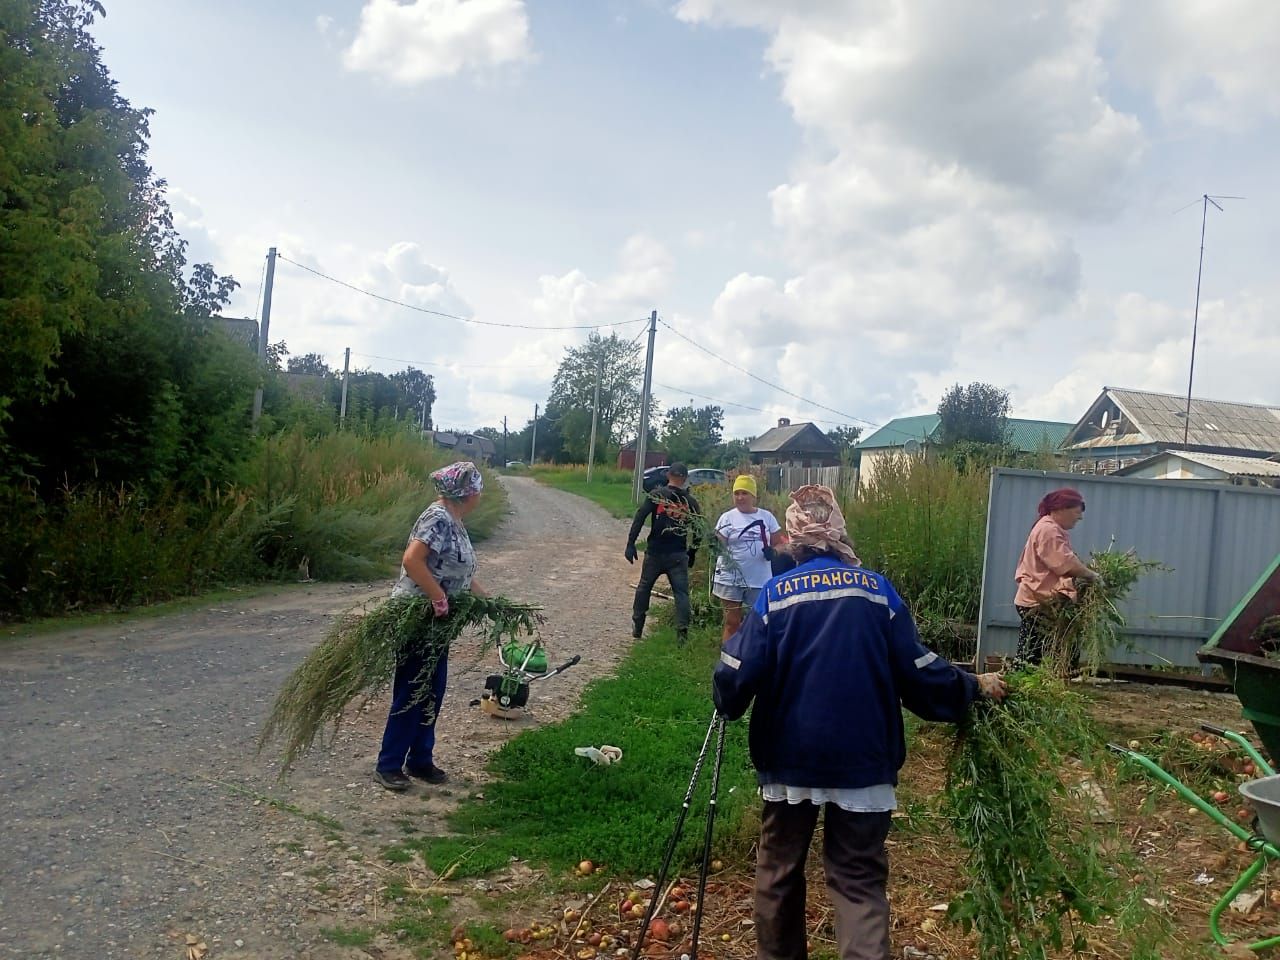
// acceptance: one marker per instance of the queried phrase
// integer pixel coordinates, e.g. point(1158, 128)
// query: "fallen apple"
point(1221, 796)
point(680, 906)
point(659, 930)
point(585, 867)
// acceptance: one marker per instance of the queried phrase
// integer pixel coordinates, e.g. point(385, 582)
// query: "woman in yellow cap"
point(748, 534)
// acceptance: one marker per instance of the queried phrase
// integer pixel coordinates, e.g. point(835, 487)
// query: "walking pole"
point(675, 836)
point(706, 844)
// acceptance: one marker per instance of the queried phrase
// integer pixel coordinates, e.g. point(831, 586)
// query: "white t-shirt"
point(745, 534)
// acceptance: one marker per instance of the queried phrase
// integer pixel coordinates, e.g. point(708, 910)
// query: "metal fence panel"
point(1216, 538)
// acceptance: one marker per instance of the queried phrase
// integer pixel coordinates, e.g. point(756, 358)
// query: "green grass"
point(609, 486)
point(347, 936)
point(554, 808)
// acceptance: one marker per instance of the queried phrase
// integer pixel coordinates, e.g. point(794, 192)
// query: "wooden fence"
point(843, 480)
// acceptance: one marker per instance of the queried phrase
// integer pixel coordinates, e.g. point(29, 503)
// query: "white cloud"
point(642, 278)
point(951, 148)
point(1214, 62)
point(409, 43)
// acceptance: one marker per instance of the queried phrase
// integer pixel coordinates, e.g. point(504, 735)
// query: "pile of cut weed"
point(553, 807)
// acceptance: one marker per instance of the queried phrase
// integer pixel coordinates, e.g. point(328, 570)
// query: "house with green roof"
point(914, 435)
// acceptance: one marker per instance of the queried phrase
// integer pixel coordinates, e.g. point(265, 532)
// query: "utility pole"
point(595, 416)
point(642, 442)
point(346, 373)
point(533, 445)
point(263, 328)
point(504, 441)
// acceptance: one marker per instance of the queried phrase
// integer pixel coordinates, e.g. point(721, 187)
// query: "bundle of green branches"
point(360, 653)
point(1087, 630)
point(1023, 793)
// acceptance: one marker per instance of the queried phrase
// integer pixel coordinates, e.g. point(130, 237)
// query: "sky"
point(861, 202)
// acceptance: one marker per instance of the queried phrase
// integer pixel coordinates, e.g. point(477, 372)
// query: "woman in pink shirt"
point(1047, 570)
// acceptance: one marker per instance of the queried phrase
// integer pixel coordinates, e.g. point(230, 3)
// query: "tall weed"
point(923, 525)
point(335, 506)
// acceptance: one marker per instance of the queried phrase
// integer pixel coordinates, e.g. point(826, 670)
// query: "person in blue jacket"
point(830, 655)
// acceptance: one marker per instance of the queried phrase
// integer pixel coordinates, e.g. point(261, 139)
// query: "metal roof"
point(1026, 435)
point(1159, 418)
point(1232, 466)
point(779, 438)
point(901, 429)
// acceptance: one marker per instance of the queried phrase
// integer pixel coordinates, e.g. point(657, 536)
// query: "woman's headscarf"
point(458, 480)
point(1061, 499)
point(814, 520)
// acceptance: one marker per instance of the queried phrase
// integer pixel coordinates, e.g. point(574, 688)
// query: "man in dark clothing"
point(830, 655)
point(672, 506)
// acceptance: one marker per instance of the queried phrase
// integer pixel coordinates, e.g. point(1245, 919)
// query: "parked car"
point(515, 464)
point(707, 476)
point(654, 477)
point(698, 477)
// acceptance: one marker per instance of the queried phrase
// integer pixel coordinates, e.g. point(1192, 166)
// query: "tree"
point(415, 391)
point(690, 434)
point(113, 371)
point(573, 391)
point(732, 453)
point(978, 413)
point(845, 438)
point(310, 363)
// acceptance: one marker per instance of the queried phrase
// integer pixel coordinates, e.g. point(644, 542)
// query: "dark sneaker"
point(637, 630)
point(682, 637)
point(431, 774)
point(392, 780)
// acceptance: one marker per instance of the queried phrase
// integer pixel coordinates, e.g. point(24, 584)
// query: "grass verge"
point(609, 486)
point(555, 808)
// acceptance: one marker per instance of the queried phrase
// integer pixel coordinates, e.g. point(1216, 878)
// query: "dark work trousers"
point(857, 870)
point(676, 567)
point(410, 735)
point(1036, 631)
point(1032, 634)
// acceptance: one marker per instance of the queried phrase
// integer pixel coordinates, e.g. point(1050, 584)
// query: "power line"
point(440, 363)
point(257, 301)
point(732, 403)
point(767, 383)
point(450, 316)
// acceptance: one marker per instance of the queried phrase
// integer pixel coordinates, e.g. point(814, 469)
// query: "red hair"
point(1061, 499)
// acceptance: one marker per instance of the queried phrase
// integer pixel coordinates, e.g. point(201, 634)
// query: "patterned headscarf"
point(458, 480)
point(814, 520)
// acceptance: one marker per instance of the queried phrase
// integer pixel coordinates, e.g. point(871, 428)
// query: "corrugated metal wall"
point(1217, 538)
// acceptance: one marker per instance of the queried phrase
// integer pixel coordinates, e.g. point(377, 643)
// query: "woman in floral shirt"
point(438, 562)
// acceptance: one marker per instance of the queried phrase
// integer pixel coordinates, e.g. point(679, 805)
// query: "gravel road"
point(139, 823)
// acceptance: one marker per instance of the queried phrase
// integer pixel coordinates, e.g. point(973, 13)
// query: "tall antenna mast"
point(1205, 200)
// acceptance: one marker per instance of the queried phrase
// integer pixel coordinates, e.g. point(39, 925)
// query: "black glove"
point(692, 556)
point(767, 552)
point(630, 553)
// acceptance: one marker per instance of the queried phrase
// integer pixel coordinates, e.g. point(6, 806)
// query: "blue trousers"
point(410, 735)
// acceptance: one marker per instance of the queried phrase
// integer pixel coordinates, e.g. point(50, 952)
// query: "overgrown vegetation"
point(359, 655)
point(336, 506)
point(923, 525)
